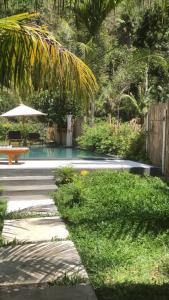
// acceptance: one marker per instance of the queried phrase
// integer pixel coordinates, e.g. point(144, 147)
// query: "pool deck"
point(80, 164)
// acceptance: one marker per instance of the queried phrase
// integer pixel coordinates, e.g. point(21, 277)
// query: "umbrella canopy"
point(22, 110)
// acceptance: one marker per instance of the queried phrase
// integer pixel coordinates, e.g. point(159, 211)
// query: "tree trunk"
point(92, 113)
point(146, 79)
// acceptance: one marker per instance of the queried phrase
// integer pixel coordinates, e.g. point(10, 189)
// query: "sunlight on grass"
point(120, 225)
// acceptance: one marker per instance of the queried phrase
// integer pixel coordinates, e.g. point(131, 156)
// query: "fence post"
point(164, 141)
point(147, 130)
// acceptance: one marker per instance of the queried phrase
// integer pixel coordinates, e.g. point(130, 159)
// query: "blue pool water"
point(43, 152)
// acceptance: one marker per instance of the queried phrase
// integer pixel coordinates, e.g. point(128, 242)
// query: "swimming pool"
point(44, 152)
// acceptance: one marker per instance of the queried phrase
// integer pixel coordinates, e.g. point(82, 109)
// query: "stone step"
point(39, 229)
point(78, 292)
point(26, 197)
point(26, 180)
point(26, 172)
point(39, 263)
point(28, 189)
point(33, 206)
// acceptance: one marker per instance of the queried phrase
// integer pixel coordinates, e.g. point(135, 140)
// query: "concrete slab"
point(26, 197)
point(106, 163)
point(44, 206)
point(39, 263)
point(34, 229)
point(29, 188)
point(45, 167)
point(78, 292)
point(27, 180)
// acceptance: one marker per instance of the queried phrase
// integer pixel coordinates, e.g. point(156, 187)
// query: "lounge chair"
point(34, 137)
point(14, 136)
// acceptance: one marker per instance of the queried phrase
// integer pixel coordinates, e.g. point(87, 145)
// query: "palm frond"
point(132, 99)
point(30, 57)
point(84, 49)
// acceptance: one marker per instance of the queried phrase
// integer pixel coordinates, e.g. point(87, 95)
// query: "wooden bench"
point(13, 153)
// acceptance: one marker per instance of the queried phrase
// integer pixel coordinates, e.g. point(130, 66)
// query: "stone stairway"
point(37, 250)
point(33, 185)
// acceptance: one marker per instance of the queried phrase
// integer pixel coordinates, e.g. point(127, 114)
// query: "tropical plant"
point(31, 58)
point(64, 175)
point(141, 104)
point(135, 79)
point(118, 139)
point(92, 13)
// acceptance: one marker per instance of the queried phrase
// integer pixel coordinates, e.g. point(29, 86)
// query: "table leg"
point(16, 159)
point(10, 159)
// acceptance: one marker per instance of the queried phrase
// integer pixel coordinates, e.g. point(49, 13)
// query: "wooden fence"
point(157, 142)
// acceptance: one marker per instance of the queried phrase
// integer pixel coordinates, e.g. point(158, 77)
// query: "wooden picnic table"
point(13, 153)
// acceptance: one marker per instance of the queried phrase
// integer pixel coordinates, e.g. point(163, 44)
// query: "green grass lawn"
point(120, 225)
point(2, 214)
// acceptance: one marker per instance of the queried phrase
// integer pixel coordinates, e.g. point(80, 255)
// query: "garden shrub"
point(120, 224)
point(5, 126)
point(64, 175)
point(115, 194)
point(68, 195)
point(120, 139)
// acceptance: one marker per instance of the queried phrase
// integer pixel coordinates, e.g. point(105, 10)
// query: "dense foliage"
point(28, 127)
point(122, 139)
point(56, 106)
point(125, 42)
point(119, 223)
point(64, 175)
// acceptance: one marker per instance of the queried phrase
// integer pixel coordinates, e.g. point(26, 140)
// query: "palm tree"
point(92, 13)
point(142, 104)
point(31, 58)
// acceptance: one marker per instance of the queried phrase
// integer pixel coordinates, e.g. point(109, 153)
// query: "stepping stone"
point(78, 292)
point(28, 189)
point(45, 206)
point(34, 229)
point(27, 197)
point(39, 263)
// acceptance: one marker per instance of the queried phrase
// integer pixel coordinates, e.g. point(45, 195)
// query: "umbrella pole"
point(24, 131)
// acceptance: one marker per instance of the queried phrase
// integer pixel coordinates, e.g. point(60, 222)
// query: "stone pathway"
point(41, 252)
point(78, 292)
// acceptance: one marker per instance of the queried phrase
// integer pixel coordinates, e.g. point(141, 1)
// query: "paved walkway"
point(41, 253)
point(78, 292)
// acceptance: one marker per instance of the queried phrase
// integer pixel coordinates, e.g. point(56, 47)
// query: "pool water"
point(43, 152)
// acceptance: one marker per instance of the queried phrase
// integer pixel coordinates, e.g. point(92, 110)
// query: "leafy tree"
point(153, 30)
point(57, 106)
point(7, 101)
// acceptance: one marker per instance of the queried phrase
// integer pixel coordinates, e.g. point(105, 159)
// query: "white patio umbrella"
point(22, 111)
